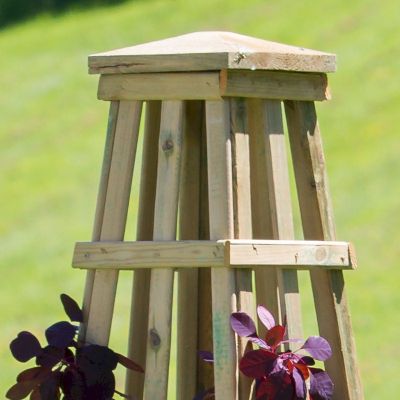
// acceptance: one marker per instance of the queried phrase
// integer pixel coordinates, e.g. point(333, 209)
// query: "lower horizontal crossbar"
point(296, 254)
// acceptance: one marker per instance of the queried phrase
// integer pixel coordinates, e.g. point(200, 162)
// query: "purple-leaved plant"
point(64, 368)
point(287, 375)
point(282, 375)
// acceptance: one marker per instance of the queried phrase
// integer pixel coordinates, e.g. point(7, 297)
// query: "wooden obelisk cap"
point(210, 51)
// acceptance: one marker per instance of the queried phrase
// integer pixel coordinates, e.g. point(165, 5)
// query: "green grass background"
point(52, 134)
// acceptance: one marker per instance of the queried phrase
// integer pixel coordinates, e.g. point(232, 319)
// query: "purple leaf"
point(73, 384)
point(37, 374)
point(25, 346)
point(100, 385)
point(307, 360)
point(128, 363)
point(242, 324)
point(275, 336)
point(71, 308)
point(206, 356)
point(300, 386)
point(35, 395)
point(318, 347)
point(257, 363)
point(265, 317)
point(95, 357)
point(61, 334)
point(50, 389)
point(277, 386)
point(20, 390)
point(50, 356)
point(321, 386)
point(259, 342)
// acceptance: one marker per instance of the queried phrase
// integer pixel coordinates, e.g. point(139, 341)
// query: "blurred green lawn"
point(52, 135)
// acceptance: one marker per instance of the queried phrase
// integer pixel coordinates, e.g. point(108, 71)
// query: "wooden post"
point(266, 280)
point(141, 280)
point(114, 218)
point(99, 215)
point(242, 219)
point(189, 219)
point(165, 219)
point(317, 218)
point(205, 375)
point(219, 155)
point(281, 213)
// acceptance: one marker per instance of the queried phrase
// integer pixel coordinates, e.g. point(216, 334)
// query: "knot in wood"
point(155, 340)
point(167, 146)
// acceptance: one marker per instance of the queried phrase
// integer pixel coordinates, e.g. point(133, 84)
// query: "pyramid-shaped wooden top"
point(211, 51)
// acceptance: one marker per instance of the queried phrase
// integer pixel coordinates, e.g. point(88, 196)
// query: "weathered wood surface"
point(281, 213)
point(217, 254)
point(242, 219)
point(189, 221)
point(206, 51)
point(114, 218)
point(214, 86)
point(99, 214)
point(266, 282)
point(141, 280)
point(165, 223)
point(223, 286)
point(317, 219)
point(274, 85)
point(160, 86)
point(205, 371)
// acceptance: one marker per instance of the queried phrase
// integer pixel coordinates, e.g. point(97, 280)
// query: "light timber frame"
point(215, 204)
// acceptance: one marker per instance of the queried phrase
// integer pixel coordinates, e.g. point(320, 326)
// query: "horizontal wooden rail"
point(233, 253)
point(279, 85)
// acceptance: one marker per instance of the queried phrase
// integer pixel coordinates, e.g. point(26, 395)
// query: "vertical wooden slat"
point(141, 280)
point(317, 219)
point(114, 219)
point(205, 371)
point(101, 200)
point(242, 218)
point(189, 210)
point(266, 279)
point(281, 213)
point(221, 226)
point(165, 218)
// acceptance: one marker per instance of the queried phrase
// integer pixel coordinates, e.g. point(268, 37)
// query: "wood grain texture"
point(141, 281)
point(274, 85)
point(205, 371)
point(114, 219)
point(265, 279)
point(160, 86)
point(242, 220)
point(317, 219)
point(219, 160)
point(186, 254)
point(99, 214)
point(206, 51)
point(165, 222)
point(189, 220)
point(281, 213)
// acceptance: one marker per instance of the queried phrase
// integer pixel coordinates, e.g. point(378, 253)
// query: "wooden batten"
point(160, 86)
point(234, 253)
point(277, 85)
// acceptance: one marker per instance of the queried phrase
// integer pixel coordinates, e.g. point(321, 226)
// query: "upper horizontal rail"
point(223, 253)
point(279, 85)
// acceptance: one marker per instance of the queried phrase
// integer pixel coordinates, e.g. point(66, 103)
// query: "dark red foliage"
point(63, 368)
point(71, 308)
point(25, 346)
